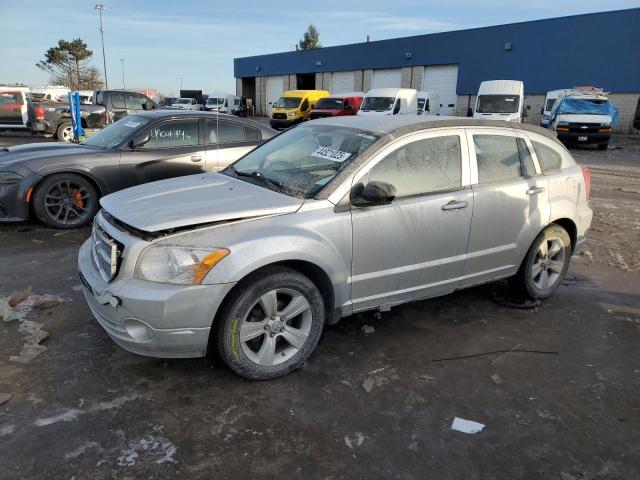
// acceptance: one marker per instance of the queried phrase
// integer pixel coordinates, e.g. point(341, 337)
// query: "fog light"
point(138, 330)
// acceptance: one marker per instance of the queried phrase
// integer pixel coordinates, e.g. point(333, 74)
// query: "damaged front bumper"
point(148, 318)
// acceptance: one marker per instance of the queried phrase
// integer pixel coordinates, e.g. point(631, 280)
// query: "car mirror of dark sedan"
point(139, 140)
point(373, 193)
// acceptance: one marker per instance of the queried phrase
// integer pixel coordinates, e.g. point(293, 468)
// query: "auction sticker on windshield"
point(331, 154)
point(132, 124)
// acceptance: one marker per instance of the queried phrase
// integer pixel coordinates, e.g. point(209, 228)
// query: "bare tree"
point(68, 64)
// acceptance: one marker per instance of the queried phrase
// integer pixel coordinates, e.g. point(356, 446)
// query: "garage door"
point(342, 82)
point(274, 90)
point(442, 79)
point(388, 78)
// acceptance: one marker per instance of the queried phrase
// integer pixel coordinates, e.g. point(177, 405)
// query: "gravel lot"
point(365, 406)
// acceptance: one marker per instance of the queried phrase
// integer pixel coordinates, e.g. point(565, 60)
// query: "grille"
point(279, 116)
point(579, 127)
point(105, 253)
point(315, 115)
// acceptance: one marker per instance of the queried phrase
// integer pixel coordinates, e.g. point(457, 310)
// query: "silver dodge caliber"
point(332, 217)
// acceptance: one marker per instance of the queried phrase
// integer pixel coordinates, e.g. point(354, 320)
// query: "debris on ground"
point(370, 382)
point(428, 378)
point(7, 312)
point(156, 447)
point(368, 329)
point(496, 378)
point(19, 296)
point(353, 440)
point(466, 426)
point(33, 334)
point(4, 397)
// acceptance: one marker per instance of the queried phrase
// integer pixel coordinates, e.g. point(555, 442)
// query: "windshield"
point(288, 102)
point(168, 101)
point(215, 101)
point(182, 101)
point(327, 103)
point(379, 104)
point(116, 133)
point(300, 161)
point(498, 104)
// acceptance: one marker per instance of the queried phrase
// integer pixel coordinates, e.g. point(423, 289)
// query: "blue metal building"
point(601, 49)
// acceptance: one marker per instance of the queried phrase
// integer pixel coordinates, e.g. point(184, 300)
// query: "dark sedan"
point(60, 184)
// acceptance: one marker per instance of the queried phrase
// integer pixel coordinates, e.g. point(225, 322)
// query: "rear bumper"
point(575, 138)
point(39, 126)
point(284, 123)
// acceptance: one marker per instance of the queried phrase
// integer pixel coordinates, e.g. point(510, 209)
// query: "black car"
point(60, 184)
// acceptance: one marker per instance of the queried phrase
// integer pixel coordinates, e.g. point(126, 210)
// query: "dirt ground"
point(365, 406)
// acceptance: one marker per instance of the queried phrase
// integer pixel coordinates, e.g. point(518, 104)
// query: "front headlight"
point(9, 178)
point(291, 114)
point(177, 265)
point(606, 124)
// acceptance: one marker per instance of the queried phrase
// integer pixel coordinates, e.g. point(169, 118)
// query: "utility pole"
point(180, 82)
point(124, 87)
point(100, 7)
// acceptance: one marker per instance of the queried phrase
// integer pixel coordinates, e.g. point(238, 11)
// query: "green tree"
point(310, 39)
point(68, 64)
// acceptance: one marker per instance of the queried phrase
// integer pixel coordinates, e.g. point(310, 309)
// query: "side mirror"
point(139, 140)
point(528, 107)
point(373, 193)
point(525, 113)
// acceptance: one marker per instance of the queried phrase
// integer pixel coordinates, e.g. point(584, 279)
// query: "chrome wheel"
point(548, 263)
point(276, 327)
point(67, 134)
point(68, 202)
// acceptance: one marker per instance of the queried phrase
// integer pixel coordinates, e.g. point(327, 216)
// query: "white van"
point(428, 103)
point(500, 100)
point(389, 101)
point(583, 115)
point(549, 100)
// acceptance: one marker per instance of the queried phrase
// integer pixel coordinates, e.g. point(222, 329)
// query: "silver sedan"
point(330, 218)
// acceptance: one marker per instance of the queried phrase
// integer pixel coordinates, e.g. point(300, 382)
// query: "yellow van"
point(294, 106)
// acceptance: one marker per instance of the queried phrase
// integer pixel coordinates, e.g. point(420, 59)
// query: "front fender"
point(47, 170)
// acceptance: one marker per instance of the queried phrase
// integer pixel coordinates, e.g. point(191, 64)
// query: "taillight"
point(39, 111)
point(587, 180)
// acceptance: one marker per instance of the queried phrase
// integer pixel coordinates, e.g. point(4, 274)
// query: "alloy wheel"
point(548, 264)
point(276, 327)
point(67, 202)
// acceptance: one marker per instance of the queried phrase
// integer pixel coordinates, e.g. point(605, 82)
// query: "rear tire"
point(545, 265)
point(270, 324)
point(65, 201)
point(64, 133)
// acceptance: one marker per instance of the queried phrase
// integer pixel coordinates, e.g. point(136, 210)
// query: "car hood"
point(194, 200)
point(21, 154)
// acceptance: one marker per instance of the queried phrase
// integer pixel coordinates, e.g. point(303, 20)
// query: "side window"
point(423, 166)
point(117, 100)
point(229, 132)
point(548, 158)
point(8, 98)
point(136, 102)
point(396, 108)
point(499, 158)
point(173, 133)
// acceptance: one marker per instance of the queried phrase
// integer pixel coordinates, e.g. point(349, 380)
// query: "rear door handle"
point(454, 205)
point(196, 158)
point(535, 190)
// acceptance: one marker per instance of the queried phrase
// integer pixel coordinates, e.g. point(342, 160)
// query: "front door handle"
point(454, 205)
point(196, 158)
point(535, 190)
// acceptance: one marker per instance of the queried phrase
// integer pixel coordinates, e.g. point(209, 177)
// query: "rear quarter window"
point(548, 158)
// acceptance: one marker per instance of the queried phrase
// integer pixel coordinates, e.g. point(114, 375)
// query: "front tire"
point(65, 201)
point(270, 324)
point(545, 264)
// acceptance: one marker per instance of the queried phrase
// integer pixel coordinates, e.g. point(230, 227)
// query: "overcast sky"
point(163, 40)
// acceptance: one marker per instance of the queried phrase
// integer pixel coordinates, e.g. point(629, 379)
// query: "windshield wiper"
point(256, 175)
